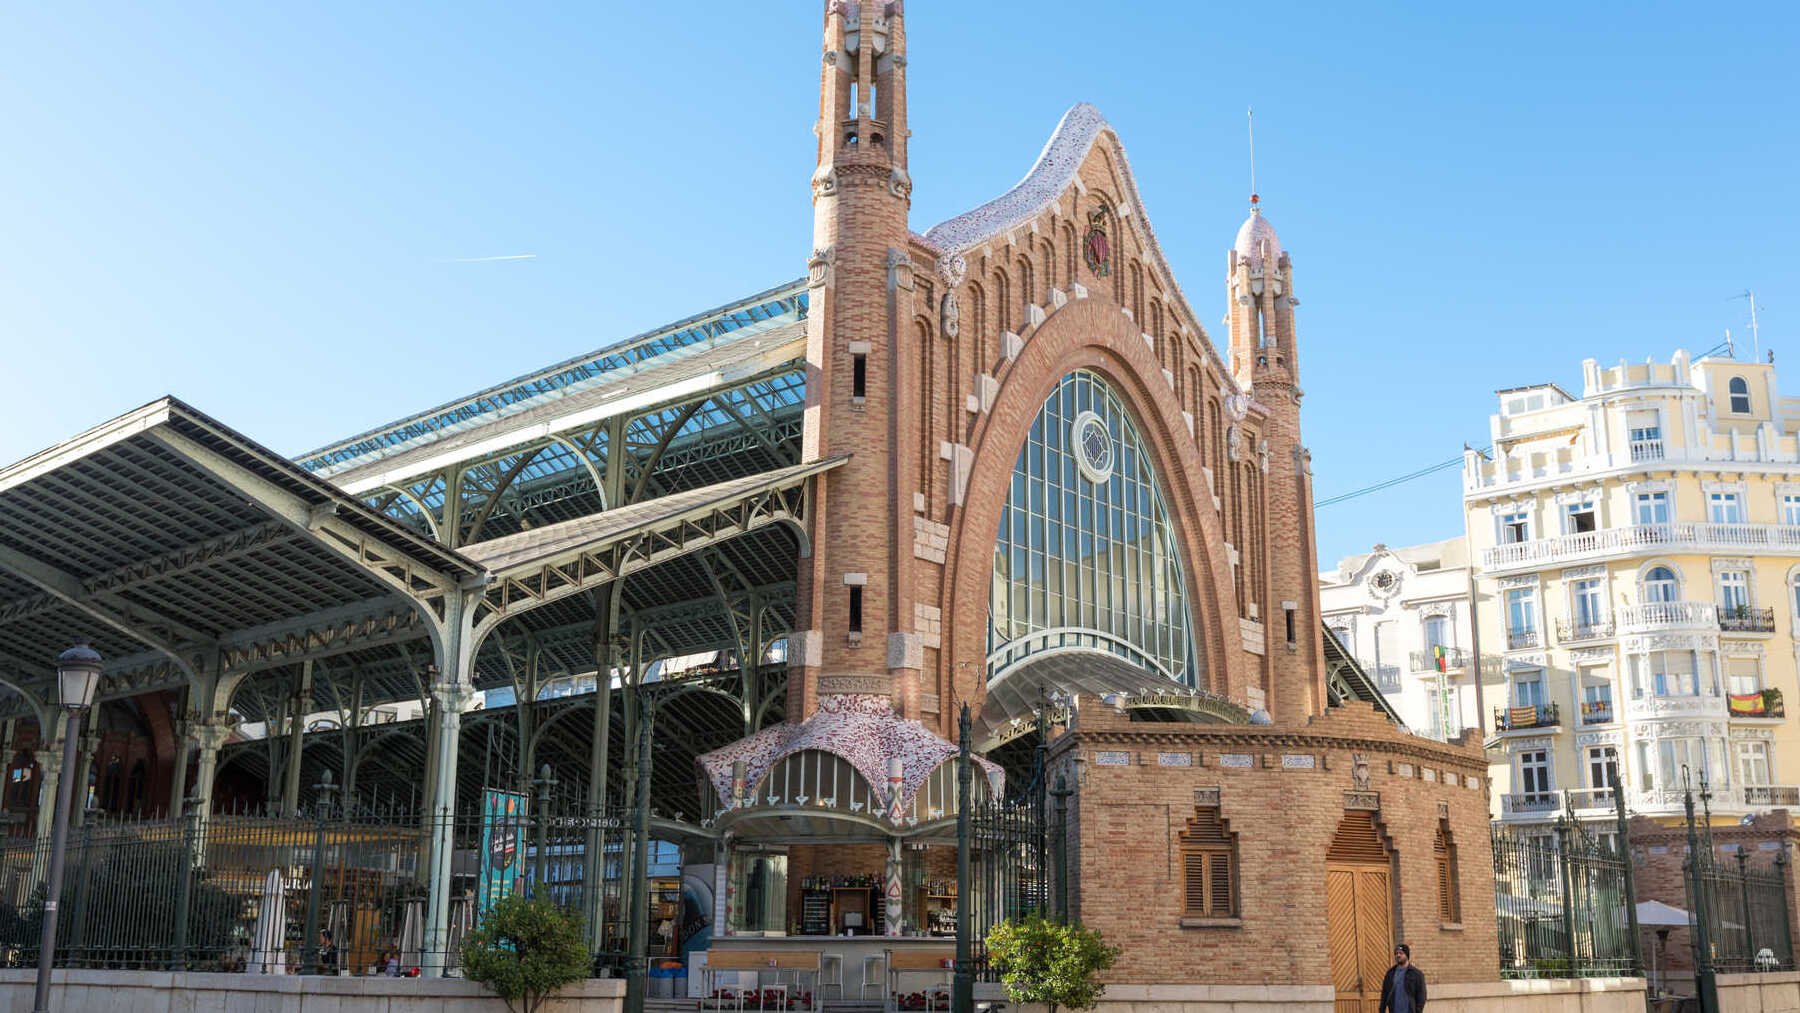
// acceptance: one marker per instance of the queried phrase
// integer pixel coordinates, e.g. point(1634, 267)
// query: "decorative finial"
point(1250, 118)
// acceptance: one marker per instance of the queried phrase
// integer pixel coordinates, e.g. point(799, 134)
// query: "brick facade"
point(1283, 810)
point(929, 357)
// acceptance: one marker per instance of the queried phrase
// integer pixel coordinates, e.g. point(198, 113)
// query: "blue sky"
point(265, 209)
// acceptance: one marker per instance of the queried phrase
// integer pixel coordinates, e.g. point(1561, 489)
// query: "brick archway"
point(1089, 334)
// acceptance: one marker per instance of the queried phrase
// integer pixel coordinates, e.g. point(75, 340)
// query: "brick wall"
point(1128, 817)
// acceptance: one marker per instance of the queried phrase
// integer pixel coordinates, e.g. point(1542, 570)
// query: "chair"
point(831, 975)
point(874, 975)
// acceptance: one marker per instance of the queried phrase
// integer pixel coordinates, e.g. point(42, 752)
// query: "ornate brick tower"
point(856, 587)
point(1265, 360)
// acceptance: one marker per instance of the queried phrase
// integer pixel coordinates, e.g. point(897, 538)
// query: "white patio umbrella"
point(412, 934)
point(267, 954)
point(1654, 914)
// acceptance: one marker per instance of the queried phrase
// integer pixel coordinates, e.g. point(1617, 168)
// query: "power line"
point(1390, 483)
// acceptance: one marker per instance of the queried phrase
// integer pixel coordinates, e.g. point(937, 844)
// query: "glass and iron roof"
point(696, 335)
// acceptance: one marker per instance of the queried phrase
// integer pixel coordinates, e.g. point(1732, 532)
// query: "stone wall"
point(1283, 790)
point(1760, 993)
point(1592, 995)
point(165, 992)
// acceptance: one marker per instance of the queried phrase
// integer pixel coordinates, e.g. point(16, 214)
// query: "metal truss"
point(554, 565)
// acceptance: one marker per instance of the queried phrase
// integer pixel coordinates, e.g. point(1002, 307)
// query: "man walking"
point(1403, 990)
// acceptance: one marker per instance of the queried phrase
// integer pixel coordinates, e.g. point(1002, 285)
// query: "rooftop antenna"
point(1250, 118)
point(1755, 334)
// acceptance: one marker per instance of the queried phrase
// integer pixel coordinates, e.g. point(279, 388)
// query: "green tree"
point(525, 950)
point(1052, 963)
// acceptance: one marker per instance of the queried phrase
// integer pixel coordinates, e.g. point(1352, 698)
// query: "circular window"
point(1093, 447)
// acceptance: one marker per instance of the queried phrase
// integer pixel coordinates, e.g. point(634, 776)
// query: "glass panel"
point(1086, 539)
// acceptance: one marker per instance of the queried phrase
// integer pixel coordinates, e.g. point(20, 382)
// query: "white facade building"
point(1403, 614)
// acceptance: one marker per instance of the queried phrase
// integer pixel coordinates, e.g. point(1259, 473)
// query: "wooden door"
point(1359, 930)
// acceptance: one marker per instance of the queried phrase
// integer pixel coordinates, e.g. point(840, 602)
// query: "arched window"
point(1087, 555)
point(1740, 396)
point(1661, 585)
point(1208, 866)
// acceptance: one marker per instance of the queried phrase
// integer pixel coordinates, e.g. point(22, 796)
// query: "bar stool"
point(874, 975)
point(831, 975)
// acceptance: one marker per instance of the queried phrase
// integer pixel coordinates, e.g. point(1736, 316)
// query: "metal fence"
point(1564, 903)
point(252, 892)
point(1745, 910)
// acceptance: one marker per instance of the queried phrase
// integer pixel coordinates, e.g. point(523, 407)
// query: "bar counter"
point(861, 962)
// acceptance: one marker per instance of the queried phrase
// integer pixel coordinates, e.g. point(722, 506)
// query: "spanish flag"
point(1748, 704)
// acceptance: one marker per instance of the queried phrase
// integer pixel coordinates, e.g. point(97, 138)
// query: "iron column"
point(962, 992)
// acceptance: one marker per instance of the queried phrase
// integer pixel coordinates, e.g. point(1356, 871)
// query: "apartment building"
point(1637, 555)
point(1403, 614)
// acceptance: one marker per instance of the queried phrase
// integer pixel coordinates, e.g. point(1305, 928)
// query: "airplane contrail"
point(485, 260)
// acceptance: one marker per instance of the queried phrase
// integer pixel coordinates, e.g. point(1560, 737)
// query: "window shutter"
point(1444, 851)
point(1194, 876)
point(1218, 887)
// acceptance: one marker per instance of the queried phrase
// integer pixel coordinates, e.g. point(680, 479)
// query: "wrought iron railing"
point(1746, 619)
point(1507, 719)
point(1387, 677)
point(1518, 639)
point(1558, 898)
point(1771, 794)
point(1427, 660)
point(1577, 629)
point(232, 892)
point(1597, 712)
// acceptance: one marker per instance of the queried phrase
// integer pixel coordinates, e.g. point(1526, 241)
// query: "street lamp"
point(77, 676)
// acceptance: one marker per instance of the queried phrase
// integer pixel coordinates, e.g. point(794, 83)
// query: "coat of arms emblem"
point(1095, 249)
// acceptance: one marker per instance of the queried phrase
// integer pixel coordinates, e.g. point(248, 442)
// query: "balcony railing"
point(1387, 677)
point(1771, 794)
point(1510, 719)
point(1521, 639)
point(1454, 658)
point(1520, 803)
point(1663, 615)
point(1634, 538)
point(1574, 631)
point(1597, 712)
point(1745, 619)
point(1591, 798)
point(1646, 450)
point(1766, 703)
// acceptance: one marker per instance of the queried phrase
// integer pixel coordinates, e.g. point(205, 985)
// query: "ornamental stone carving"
point(1607, 738)
point(899, 183)
point(1752, 735)
point(1523, 580)
point(1262, 456)
point(951, 269)
point(1238, 406)
point(1577, 572)
point(1234, 443)
point(818, 267)
point(1741, 648)
point(1590, 655)
point(950, 316)
point(1444, 609)
point(1533, 742)
point(824, 182)
point(1720, 565)
point(1518, 662)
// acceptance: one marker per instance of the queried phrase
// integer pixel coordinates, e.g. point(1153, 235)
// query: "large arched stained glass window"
point(1087, 556)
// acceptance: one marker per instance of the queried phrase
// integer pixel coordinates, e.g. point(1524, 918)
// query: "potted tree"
point(1055, 964)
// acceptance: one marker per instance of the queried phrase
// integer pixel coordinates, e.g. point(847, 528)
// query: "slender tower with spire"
point(1265, 362)
point(855, 590)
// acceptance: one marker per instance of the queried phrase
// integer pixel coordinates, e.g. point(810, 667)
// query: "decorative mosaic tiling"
point(861, 728)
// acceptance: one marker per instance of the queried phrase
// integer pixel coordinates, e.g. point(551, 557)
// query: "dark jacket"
point(1415, 987)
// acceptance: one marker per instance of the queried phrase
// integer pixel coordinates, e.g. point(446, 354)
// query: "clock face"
point(1093, 447)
